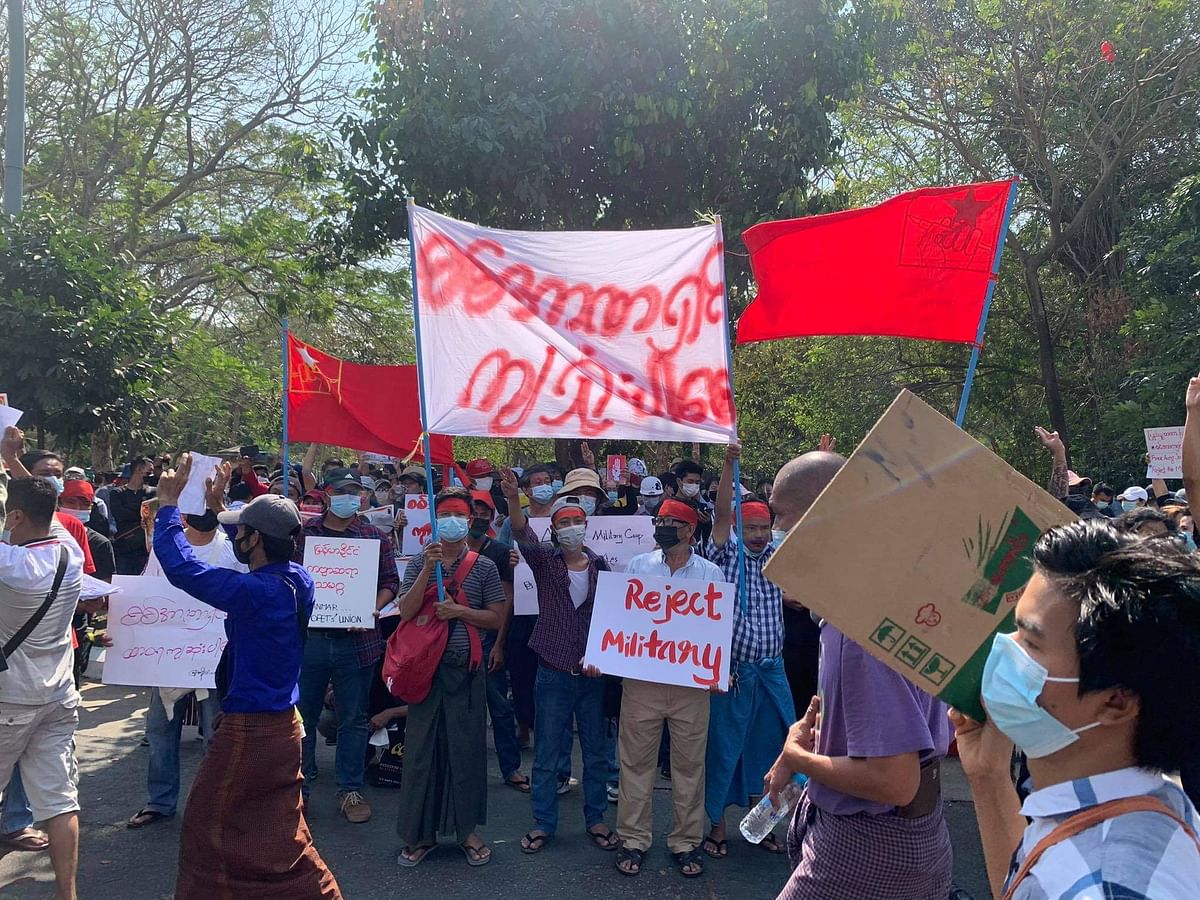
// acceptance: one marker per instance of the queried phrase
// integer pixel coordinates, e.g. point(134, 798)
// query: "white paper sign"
point(94, 588)
point(382, 518)
point(161, 636)
point(9, 415)
point(1166, 452)
point(665, 630)
point(418, 529)
point(346, 576)
point(596, 334)
point(617, 538)
point(191, 499)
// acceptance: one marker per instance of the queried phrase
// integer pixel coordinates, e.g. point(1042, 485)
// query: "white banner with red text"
point(616, 334)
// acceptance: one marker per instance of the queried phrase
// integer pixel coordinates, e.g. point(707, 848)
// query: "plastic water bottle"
point(761, 820)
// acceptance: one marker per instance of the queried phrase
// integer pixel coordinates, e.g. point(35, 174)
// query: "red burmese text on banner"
point(916, 266)
point(369, 408)
point(573, 334)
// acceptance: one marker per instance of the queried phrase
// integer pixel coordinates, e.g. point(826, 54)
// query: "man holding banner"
point(644, 707)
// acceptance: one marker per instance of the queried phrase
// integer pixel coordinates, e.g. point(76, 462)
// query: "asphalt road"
point(118, 864)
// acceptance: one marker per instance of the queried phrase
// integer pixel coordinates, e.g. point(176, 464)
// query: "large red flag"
point(370, 408)
point(915, 266)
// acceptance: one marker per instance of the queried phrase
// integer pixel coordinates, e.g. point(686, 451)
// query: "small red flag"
point(916, 266)
point(370, 408)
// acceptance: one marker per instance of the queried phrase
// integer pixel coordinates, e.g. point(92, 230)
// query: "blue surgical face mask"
point(543, 493)
point(588, 504)
point(777, 536)
point(1128, 505)
point(57, 482)
point(344, 506)
point(452, 528)
point(1189, 542)
point(1012, 682)
point(612, 496)
point(6, 536)
point(557, 484)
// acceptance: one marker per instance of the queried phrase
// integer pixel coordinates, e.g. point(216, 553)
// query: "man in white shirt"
point(644, 707)
point(38, 700)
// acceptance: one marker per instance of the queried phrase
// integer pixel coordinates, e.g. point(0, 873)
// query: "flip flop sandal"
point(26, 840)
point(771, 844)
point(607, 842)
point(533, 843)
point(144, 818)
point(475, 855)
point(523, 785)
point(410, 861)
point(629, 855)
point(720, 849)
point(689, 858)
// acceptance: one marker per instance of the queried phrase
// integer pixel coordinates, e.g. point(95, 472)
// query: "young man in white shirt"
point(1097, 687)
point(38, 700)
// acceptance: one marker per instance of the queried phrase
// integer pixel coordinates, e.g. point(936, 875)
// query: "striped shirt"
point(482, 588)
point(758, 634)
point(1136, 856)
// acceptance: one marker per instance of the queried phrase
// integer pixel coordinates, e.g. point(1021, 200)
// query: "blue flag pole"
point(737, 464)
point(284, 449)
point(412, 268)
point(987, 306)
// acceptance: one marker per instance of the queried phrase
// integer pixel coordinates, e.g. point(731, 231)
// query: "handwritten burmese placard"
point(345, 572)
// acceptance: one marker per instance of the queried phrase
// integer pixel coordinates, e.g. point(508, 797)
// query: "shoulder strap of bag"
point(27, 629)
point(459, 578)
point(1089, 818)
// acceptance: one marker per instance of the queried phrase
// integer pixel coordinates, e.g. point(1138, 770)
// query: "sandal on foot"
point(144, 818)
point(28, 840)
point(411, 857)
point(476, 856)
point(606, 840)
point(533, 843)
point(518, 782)
point(771, 844)
point(714, 848)
point(634, 858)
point(690, 859)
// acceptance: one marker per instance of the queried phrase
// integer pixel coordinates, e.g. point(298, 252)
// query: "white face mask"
point(571, 536)
point(484, 484)
point(81, 514)
point(689, 490)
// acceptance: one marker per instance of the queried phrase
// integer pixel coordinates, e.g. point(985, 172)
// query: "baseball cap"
point(483, 497)
point(74, 472)
point(1134, 493)
point(580, 478)
point(341, 478)
point(414, 473)
point(638, 467)
point(481, 467)
point(651, 486)
point(368, 482)
point(272, 514)
point(77, 487)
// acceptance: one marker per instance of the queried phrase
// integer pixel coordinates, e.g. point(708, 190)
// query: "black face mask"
point(666, 536)
point(479, 527)
point(204, 523)
point(242, 556)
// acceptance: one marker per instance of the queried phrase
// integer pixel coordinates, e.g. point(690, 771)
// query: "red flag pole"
point(987, 306)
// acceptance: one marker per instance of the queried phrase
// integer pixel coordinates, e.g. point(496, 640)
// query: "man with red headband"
point(747, 725)
point(565, 573)
point(646, 705)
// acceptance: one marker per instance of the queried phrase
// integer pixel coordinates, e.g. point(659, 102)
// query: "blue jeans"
point(504, 723)
point(330, 656)
point(15, 814)
point(163, 777)
point(561, 696)
point(564, 752)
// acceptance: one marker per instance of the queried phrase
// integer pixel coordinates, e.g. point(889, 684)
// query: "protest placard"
point(616, 468)
point(417, 531)
point(1165, 446)
point(617, 538)
point(9, 415)
point(191, 499)
point(345, 573)
point(666, 630)
point(382, 518)
point(161, 636)
point(919, 549)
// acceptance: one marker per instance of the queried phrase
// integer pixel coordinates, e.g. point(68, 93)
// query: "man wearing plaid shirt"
point(346, 657)
point(747, 725)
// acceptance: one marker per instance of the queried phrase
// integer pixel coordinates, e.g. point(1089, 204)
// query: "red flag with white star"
point(375, 409)
point(915, 266)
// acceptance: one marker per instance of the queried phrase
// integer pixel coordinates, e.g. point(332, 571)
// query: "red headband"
point(756, 511)
point(569, 509)
point(673, 509)
point(454, 505)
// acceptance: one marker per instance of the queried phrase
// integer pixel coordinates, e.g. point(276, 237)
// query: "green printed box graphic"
point(912, 651)
point(937, 670)
point(887, 635)
point(1007, 566)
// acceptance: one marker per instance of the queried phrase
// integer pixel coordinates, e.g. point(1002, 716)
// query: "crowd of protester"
point(1095, 688)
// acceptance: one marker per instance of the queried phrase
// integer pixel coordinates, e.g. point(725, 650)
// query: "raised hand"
point(1051, 441)
point(1193, 394)
point(589, 458)
point(827, 444)
point(172, 481)
point(509, 485)
point(214, 488)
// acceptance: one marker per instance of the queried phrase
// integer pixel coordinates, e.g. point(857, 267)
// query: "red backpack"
point(415, 648)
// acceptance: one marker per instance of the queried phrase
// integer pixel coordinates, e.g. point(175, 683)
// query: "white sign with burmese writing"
point(617, 538)
point(345, 572)
point(665, 630)
point(418, 529)
point(161, 636)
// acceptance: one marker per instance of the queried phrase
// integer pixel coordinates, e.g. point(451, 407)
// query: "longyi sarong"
point(865, 857)
point(244, 834)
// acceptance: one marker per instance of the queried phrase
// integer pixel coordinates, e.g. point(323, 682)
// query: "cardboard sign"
point(1165, 446)
point(617, 538)
point(161, 636)
point(617, 468)
point(666, 630)
point(346, 576)
point(418, 529)
point(919, 549)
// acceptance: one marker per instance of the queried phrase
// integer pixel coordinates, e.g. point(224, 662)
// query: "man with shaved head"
point(869, 825)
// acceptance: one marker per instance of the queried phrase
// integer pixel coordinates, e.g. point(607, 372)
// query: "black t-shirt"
point(102, 555)
point(498, 553)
